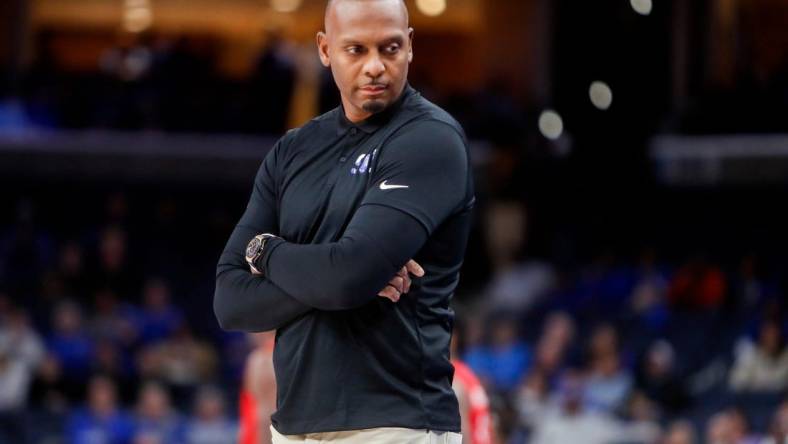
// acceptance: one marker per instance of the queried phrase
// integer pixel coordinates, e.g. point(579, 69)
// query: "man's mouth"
point(373, 89)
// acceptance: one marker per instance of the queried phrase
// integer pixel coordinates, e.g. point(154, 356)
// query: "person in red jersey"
point(477, 426)
point(257, 400)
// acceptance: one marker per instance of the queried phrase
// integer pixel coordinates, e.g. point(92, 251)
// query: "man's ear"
point(322, 49)
point(410, 44)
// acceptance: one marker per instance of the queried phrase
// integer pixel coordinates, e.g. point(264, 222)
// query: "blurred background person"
point(209, 423)
point(763, 365)
point(257, 400)
point(477, 422)
point(680, 432)
point(155, 419)
point(101, 420)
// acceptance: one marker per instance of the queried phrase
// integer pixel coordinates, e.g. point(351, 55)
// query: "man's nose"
point(374, 67)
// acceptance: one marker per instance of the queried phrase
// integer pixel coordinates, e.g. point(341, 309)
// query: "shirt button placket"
point(349, 144)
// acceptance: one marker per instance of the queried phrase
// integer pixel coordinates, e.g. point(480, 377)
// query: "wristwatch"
point(255, 249)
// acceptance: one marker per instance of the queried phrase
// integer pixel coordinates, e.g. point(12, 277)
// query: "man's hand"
point(400, 283)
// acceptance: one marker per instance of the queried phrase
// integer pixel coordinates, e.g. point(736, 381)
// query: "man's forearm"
point(246, 302)
point(249, 303)
point(350, 272)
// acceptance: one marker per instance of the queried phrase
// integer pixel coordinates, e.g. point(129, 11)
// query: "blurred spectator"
point(762, 366)
point(113, 361)
point(778, 430)
point(648, 301)
point(505, 359)
point(14, 383)
point(554, 344)
point(23, 342)
point(159, 318)
point(642, 421)
point(101, 421)
point(572, 422)
point(257, 400)
point(50, 392)
point(70, 343)
point(181, 361)
point(49, 402)
point(680, 432)
point(71, 272)
point(155, 421)
point(741, 427)
point(729, 427)
point(113, 320)
point(114, 331)
point(607, 382)
point(698, 285)
point(516, 285)
point(748, 290)
point(114, 272)
point(532, 400)
point(209, 423)
point(21, 351)
point(475, 418)
point(658, 378)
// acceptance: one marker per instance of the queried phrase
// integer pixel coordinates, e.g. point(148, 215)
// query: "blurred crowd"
point(154, 82)
point(91, 353)
point(628, 351)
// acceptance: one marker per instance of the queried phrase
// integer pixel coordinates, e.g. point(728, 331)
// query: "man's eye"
point(354, 50)
point(392, 49)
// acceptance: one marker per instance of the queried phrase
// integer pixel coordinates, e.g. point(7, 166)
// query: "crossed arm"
point(388, 229)
point(334, 276)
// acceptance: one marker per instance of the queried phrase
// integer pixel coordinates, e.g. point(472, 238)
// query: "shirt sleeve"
point(351, 272)
point(421, 179)
point(423, 172)
point(241, 300)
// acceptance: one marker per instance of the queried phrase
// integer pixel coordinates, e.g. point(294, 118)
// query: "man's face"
point(368, 46)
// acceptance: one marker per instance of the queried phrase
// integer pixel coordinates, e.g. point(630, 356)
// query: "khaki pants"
point(380, 435)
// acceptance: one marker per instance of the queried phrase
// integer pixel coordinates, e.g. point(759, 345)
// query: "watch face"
point(253, 246)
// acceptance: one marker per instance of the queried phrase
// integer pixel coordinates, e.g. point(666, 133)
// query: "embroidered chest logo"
point(362, 165)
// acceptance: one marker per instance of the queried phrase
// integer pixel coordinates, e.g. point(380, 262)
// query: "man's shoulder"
point(316, 124)
point(295, 140)
point(428, 113)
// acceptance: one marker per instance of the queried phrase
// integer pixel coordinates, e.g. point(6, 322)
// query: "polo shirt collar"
point(375, 121)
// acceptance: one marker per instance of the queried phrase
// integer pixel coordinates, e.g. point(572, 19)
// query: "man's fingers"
point(398, 282)
point(403, 273)
point(390, 293)
point(414, 268)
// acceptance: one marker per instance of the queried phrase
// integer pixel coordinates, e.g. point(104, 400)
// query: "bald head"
point(333, 4)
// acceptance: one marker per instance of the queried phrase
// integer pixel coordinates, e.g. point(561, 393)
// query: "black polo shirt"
point(353, 202)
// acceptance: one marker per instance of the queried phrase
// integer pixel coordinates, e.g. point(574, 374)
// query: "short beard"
point(373, 106)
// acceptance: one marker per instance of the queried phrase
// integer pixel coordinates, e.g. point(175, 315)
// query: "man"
point(338, 209)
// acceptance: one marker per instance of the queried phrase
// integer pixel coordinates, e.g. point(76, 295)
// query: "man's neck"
point(355, 117)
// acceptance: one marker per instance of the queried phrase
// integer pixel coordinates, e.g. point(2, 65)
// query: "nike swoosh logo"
point(385, 186)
